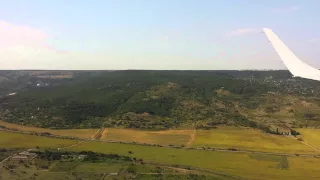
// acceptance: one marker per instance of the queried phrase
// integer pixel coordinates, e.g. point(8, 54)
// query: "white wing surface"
point(297, 67)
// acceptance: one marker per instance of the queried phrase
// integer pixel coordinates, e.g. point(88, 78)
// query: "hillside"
point(154, 100)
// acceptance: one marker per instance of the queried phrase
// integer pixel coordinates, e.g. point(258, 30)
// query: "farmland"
point(235, 164)
point(248, 139)
point(79, 133)
point(53, 164)
point(223, 137)
point(311, 136)
point(222, 124)
point(17, 140)
point(168, 137)
point(231, 164)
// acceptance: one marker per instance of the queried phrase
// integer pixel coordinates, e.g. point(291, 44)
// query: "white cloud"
point(13, 35)
point(26, 48)
point(243, 31)
point(286, 9)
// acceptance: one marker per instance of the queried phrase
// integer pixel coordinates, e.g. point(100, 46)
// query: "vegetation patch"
point(248, 139)
point(79, 133)
point(167, 137)
point(157, 100)
point(17, 140)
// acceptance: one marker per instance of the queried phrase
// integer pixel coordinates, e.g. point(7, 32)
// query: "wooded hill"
point(165, 99)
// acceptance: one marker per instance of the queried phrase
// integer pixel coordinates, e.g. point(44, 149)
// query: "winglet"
point(297, 67)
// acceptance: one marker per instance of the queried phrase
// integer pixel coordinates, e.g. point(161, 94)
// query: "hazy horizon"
point(144, 70)
point(154, 35)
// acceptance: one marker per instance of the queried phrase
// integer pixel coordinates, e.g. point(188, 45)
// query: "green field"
point(167, 137)
point(17, 140)
point(249, 139)
point(79, 133)
point(234, 164)
point(229, 164)
point(94, 166)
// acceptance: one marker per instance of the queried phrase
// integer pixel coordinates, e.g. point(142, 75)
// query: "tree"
point(294, 133)
point(132, 169)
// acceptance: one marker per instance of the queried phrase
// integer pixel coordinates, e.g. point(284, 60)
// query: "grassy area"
point(249, 139)
point(178, 177)
point(174, 137)
point(281, 160)
point(16, 140)
point(250, 166)
point(4, 153)
point(235, 164)
point(311, 136)
point(72, 166)
point(305, 167)
point(80, 133)
point(98, 167)
point(27, 169)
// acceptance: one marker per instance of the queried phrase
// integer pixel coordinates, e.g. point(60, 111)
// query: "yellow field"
point(80, 133)
point(222, 137)
point(249, 139)
point(303, 165)
point(174, 137)
point(17, 140)
point(310, 136)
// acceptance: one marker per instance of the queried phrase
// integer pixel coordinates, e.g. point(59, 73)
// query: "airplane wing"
point(297, 67)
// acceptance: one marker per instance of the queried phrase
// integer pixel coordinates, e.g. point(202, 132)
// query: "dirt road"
point(193, 138)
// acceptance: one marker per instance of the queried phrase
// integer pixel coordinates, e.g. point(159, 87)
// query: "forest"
point(157, 100)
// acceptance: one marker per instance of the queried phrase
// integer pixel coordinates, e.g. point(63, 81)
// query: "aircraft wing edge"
point(296, 67)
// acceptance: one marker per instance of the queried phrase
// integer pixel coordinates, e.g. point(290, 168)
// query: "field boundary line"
point(193, 138)
point(80, 142)
point(305, 143)
point(95, 134)
point(104, 133)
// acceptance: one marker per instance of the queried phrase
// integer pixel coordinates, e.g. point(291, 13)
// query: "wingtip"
point(266, 29)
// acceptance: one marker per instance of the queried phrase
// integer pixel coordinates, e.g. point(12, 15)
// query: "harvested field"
point(249, 139)
point(173, 137)
point(310, 136)
point(79, 133)
point(17, 140)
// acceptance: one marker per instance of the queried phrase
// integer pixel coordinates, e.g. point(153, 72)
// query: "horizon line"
point(144, 70)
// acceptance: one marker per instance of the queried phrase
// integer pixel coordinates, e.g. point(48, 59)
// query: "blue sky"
point(144, 34)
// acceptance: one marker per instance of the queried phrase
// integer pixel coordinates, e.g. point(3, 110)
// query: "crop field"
point(249, 139)
point(233, 164)
point(17, 140)
point(174, 137)
point(229, 164)
point(79, 133)
point(73, 166)
point(310, 136)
